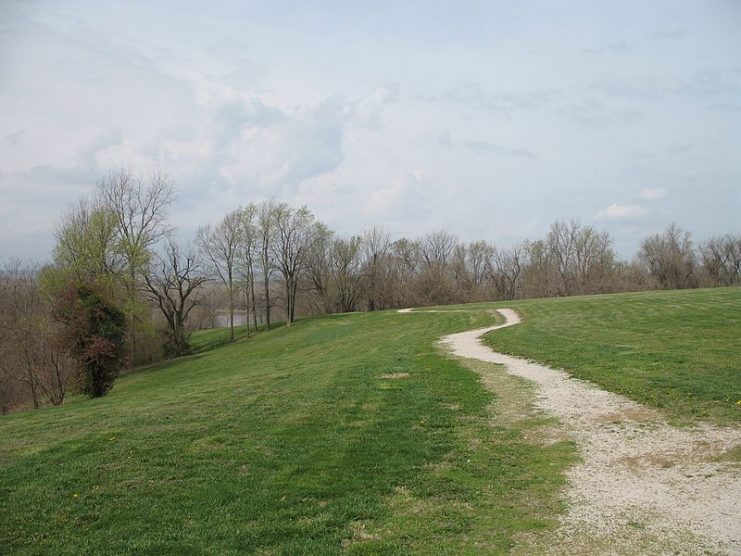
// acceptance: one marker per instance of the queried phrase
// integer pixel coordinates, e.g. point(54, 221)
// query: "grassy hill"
point(349, 433)
point(678, 350)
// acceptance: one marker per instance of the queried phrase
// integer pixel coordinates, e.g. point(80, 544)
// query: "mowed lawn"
point(343, 434)
point(677, 350)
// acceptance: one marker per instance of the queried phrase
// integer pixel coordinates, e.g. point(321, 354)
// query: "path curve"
point(643, 487)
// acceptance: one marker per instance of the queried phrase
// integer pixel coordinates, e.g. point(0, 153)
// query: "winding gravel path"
point(643, 487)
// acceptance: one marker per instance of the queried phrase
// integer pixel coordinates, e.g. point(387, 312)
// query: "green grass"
point(678, 350)
point(206, 340)
point(351, 434)
point(290, 442)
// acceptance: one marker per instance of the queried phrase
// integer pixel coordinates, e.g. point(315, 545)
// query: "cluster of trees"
point(261, 253)
point(116, 258)
point(75, 322)
point(371, 271)
point(35, 366)
point(55, 339)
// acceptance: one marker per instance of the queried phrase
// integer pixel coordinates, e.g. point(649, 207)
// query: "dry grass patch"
point(640, 414)
point(394, 376)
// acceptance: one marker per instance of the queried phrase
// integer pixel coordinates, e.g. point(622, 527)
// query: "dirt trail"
point(643, 487)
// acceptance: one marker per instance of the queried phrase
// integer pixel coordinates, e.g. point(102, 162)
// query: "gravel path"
point(643, 487)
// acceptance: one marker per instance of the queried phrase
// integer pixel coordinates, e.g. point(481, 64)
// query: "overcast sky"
point(488, 119)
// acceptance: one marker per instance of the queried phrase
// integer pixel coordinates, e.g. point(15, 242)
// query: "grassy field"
point(351, 434)
point(344, 434)
point(678, 350)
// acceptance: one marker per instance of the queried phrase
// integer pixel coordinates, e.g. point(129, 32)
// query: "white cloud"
point(327, 107)
point(654, 193)
point(485, 147)
point(617, 211)
point(283, 154)
point(369, 111)
point(475, 95)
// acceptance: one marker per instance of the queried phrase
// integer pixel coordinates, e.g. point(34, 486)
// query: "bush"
point(96, 333)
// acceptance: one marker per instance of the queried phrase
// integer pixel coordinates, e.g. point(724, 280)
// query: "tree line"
point(121, 291)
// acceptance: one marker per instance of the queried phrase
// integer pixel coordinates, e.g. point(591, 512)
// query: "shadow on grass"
point(202, 341)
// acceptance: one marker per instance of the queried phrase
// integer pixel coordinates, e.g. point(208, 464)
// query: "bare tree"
point(294, 232)
point(507, 270)
point(346, 270)
point(437, 248)
point(172, 282)
point(479, 261)
point(247, 255)
point(334, 272)
point(669, 258)
point(581, 257)
point(408, 256)
point(266, 223)
point(319, 269)
point(464, 287)
point(539, 278)
point(561, 242)
point(593, 258)
point(221, 245)
point(30, 351)
point(376, 244)
point(24, 306)
point(6, 385)
point(6, 367)
point(721, 260)
point(140, 210)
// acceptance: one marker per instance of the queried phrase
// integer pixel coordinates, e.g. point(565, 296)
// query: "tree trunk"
point(248, 305)
point(252, 299)
point(231, 310)
point(294, 288)
point(288, 303)
point(34, 391)
point(267, 302)
point(60, 385)
point(132, 333)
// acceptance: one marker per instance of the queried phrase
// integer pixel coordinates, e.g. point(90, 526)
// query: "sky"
point(489, 119)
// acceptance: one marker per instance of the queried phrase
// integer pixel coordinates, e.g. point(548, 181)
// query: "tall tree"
point(345, 265)
point(294, 232)
point(479, 260)
point(320, 271)
point(32, 354)
point(463, 290)
point(172, 281)
point(247, 257)
point(561, 244)
point(266, 223)
point(507, 270)
point(594, 259)
point(406, 257)
point(22, 310)
point(221, 245)
point(139, 207)
point(669, 258)
point(88, 244)
point(721, 260)
point(376, 244)
point(437, 248)
point(539, 276)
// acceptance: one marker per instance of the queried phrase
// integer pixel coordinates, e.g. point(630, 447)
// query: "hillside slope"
point(350, 433)
point(677, 350)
